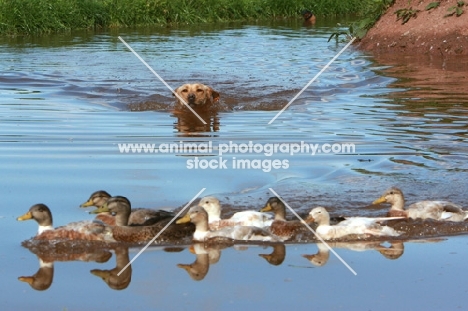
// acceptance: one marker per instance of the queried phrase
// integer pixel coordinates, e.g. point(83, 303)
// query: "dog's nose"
point(191, 97)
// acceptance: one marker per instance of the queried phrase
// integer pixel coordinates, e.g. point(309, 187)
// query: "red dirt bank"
point(427, 33)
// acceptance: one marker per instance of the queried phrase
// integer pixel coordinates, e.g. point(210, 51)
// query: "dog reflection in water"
point(188, 122)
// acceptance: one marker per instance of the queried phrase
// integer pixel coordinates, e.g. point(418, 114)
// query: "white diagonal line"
point(162, 230)
point(313, 231)
point(161, 79)
point(313, 79)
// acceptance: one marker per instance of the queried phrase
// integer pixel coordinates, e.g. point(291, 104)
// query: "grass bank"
point(45, 16)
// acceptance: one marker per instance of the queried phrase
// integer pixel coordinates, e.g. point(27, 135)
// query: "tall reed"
point(43, 16)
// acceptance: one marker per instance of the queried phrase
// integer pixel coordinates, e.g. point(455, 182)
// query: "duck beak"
point(192, 250)
point(103, 274)
point(87, 203)
point(27, 279)
point(266, 256)
point(309, 219)
point(26, 216)
point(185, 267)
point(102, 209)
point(380, 200)
point(267, 208)
point(183, 220)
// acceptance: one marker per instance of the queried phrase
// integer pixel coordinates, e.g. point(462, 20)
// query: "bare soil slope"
point(429, 32)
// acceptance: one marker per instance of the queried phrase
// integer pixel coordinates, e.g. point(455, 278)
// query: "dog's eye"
point(199, 90)
point(184, 91)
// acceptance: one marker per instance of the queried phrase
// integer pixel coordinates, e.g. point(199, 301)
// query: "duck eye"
point(391, 192)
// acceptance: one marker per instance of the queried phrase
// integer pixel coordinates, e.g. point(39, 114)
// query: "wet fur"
point(196, 95)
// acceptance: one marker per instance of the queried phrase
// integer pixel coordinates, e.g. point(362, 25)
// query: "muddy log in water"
point(430, 31)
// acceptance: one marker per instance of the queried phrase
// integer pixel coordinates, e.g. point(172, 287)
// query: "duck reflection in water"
point(277, 256)
point(112, 277)
point(205, 255)
point(44, 276)
point(394, 251)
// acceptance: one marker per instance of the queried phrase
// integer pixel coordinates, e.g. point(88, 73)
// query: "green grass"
point(46, 16)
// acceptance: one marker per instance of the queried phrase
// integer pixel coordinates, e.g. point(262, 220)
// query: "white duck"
point(244, 218)
point(439, 210)
point(355, 227)
point(198, 216)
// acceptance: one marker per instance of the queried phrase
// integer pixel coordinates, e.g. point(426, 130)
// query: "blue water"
point(65, 110)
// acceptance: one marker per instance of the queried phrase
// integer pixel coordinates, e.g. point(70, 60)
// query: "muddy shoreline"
point(429, 32)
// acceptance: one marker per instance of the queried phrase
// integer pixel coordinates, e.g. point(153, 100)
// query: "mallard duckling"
point(198, 216)
point(355, 227)
point(244, 218)
point(83, 230)
point(280, 226)
point(138, 216)
point(120, 207)
point(439, 210)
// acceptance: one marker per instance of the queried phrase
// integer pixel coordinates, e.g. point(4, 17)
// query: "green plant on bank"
point(406, 14)
point(336, 35)
point(432, 5)
point(358, 29)
point(456, 9)
point(46, 16)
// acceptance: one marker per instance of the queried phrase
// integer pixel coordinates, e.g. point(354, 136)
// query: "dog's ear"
point(175, 91)
point(213, 94)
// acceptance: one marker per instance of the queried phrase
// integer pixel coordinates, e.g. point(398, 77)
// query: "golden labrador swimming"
point(198, 96)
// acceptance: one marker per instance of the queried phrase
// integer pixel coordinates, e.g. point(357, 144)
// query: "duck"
point(438, 210)
point(351, 228)
point(309, 17)
point(245, 218)
point(138, 216)
point(83, 230)
point(199, 217)
point(120, 208)
point(280, 226)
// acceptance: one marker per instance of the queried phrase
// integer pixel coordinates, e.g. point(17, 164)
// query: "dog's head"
point(196, 95)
